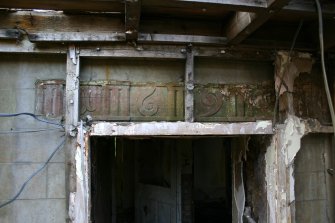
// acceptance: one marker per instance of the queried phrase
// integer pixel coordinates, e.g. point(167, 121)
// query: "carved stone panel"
point(125, 101)
point(231, 102)
point(50, 98)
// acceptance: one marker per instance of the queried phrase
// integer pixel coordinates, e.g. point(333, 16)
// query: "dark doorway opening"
point(158, 180)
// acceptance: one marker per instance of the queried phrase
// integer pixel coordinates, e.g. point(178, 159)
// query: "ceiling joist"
point(132, 19)
point(242, 24)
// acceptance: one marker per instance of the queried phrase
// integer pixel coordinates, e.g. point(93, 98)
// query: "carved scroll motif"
point(212, 102)
point(148, 107)
point(91, 99)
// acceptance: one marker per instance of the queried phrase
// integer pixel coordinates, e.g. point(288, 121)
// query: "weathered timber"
point(214, 8)
point(65, 5)
point(118, 50)
point(242, 24)
point(72, 88)
point(9, 34)
point(132, 18)
point(57, 22)
point(180, 128)
point(170, 38)
point(189, 85)
point(76, 37)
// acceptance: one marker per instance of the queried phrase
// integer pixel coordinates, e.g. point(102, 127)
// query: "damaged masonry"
point(188, 111)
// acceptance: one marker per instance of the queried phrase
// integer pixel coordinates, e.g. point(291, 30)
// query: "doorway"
point(158, 180)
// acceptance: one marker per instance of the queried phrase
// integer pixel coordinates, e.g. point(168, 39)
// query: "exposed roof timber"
point(167, 38)
point(76, 37)
point(230, 5)
point(9, 34)
point(242, 24)
point(132, 18)
point(306, 7)
point(294, 6)
point(66, 5)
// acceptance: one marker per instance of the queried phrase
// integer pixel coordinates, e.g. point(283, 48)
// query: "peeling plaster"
point(79, 200)
point(283, 149)
point(289, 69)
point(181, 128)
point(292, 133)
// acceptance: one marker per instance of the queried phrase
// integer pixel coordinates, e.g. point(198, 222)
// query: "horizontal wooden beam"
point(8, 34)
point(123, 50)
point(170, 38)
point(76, 37)
point(66, 5)
point(180, 129)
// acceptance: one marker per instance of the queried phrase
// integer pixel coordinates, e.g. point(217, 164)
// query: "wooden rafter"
point(132, 18)
point(242, 24)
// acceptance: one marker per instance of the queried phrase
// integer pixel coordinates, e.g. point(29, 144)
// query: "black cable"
point(282, 77)
point(33, 175)
point(3, 115)
point(324, 74)
point(28, 131)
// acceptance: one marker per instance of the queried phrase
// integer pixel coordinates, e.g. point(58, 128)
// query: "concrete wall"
point(43, 200)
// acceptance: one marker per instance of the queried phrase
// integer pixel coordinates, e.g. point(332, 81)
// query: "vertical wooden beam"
point(132, 19)
point(242, 24)
point(72, 88)
point(189, 85)
point(71, 122)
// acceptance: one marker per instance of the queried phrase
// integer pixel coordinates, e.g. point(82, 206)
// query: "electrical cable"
point(33, 175)
point(288, 62)
point(3, 115)
point(27, 131)
point(324, 74)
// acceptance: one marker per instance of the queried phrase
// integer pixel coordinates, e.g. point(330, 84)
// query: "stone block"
point(6, 213)
point(40, 211)
point(14, 175)
point(56, 180)
point(37, 147)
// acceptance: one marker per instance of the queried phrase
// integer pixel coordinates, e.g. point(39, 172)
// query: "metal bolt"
point(190, 87)
point(98, 49)
point(183, 50)
point(222, 51)
point(71, 101)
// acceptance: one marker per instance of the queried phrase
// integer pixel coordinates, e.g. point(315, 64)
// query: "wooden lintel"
point(172, 53)
point(76, 37)
point(180, 128)
point(122, 50)
point(169, 38)
point(132, 18)
point(10, 34)
point(242, 24)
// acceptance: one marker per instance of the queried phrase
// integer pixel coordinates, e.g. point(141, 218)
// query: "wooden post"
point(189, 85)
point(71, 122)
